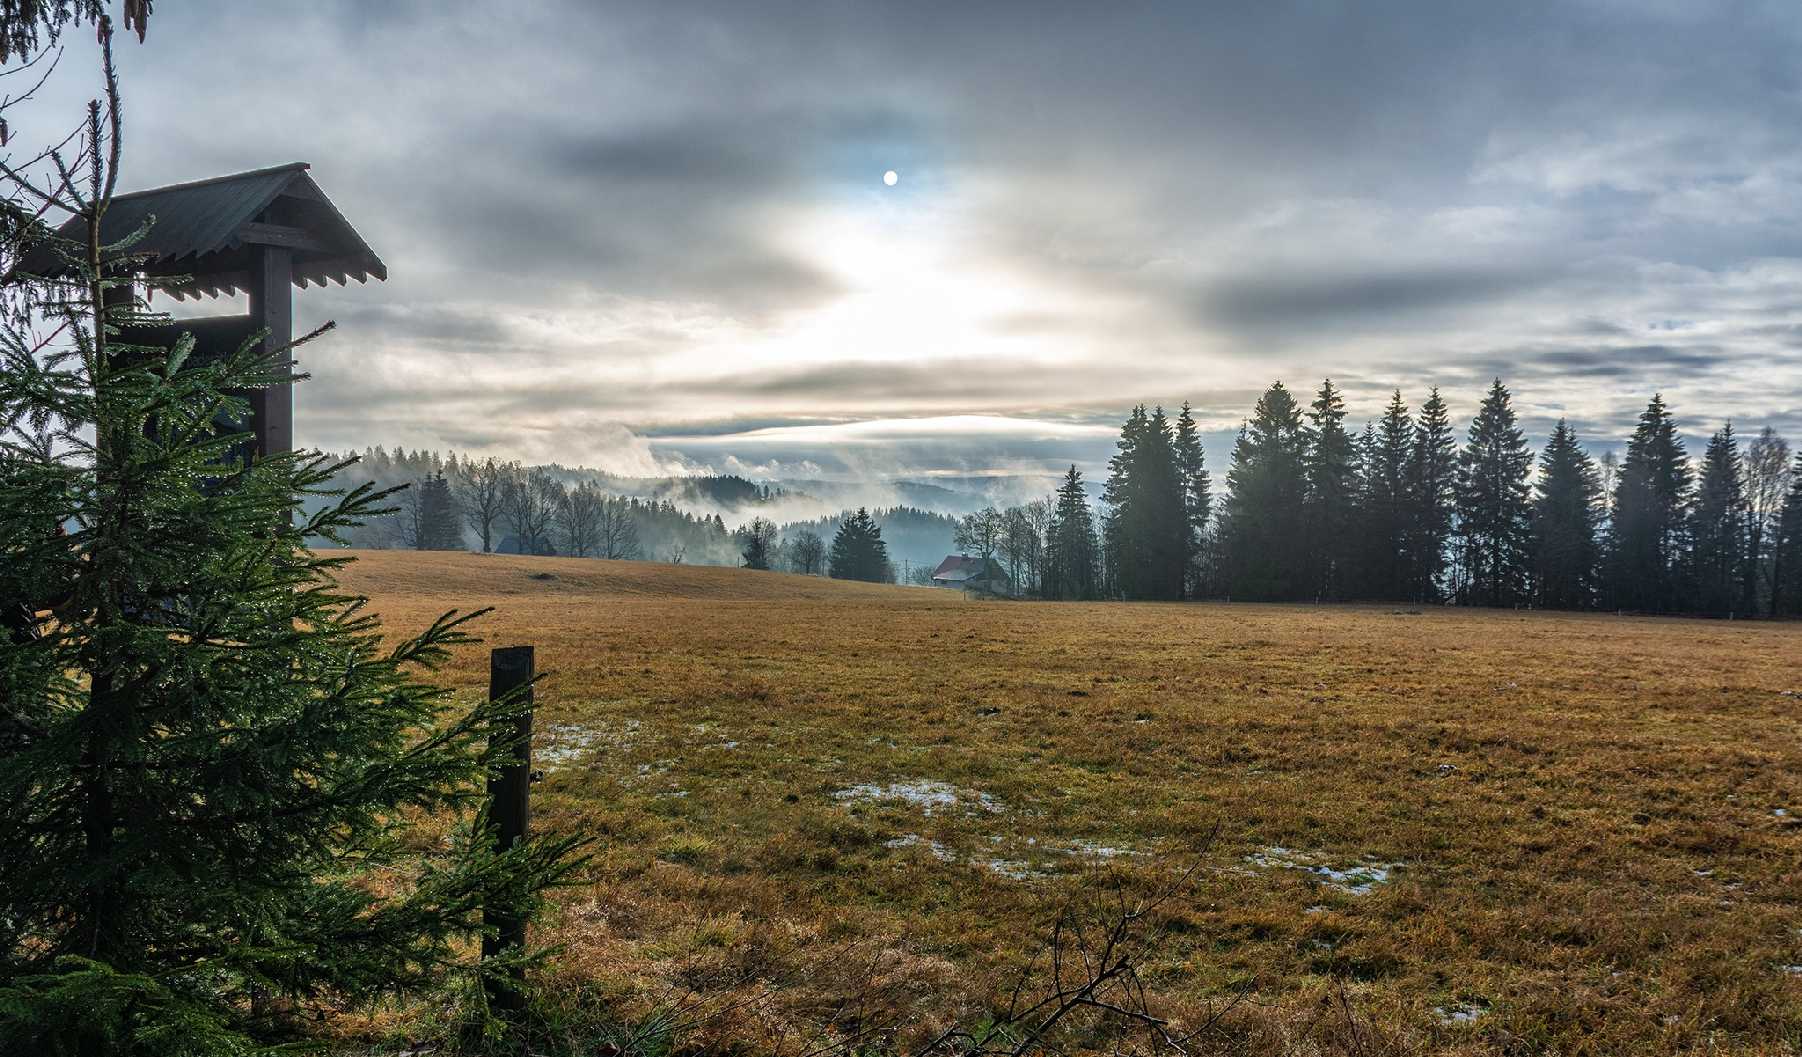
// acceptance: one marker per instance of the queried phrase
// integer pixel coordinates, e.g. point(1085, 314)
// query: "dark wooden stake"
point(272, 306)
point(510, 811)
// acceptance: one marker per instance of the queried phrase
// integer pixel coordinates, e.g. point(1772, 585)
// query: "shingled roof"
point(204, 230)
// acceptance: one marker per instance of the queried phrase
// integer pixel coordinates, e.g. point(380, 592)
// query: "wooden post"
point(510, 811)
point(272, 306)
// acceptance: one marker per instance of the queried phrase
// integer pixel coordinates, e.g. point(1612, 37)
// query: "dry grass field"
point(1437, 832)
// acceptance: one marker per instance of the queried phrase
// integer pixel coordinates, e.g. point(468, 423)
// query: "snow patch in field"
point(914, 840)
point(1012, 869)
point(926, 794)
point(565, 744)
point(1358, 880)
point(1793, 970)
point(1459, 1013)
point(1098, 850)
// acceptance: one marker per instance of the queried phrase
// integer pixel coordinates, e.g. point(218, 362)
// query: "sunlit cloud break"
point(661, 256)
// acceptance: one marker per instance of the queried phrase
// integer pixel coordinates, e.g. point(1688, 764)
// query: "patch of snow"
point(1358, 880)
point(563, 744)
point(914, 840)
point(1779, 812)
point(1012, 869)
point(1793, 970)
point(926, 794)
point(1459, 1013)
point(1097, 850)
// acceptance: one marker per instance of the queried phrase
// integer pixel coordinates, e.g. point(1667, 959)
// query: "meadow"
point(827, 810)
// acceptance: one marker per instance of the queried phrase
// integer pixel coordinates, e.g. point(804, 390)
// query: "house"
point(974, 574)
point(512, 544)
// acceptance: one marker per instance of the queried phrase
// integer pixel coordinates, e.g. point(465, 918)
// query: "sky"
point(656, 237)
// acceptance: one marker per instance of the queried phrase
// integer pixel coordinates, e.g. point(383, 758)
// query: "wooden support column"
point(510, 669)
point(272, 307)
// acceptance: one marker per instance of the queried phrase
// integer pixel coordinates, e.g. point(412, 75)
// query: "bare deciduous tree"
point(480, 494)
point(529, 502)
point(1038, 524)
point(807, 553)
point(979, 535)
point(579, 519)
point(407, 527)
point(617, 531)
point(1767, 472)
point(757, 543)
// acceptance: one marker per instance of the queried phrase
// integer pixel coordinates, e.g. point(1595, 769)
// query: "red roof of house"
point(959, 567)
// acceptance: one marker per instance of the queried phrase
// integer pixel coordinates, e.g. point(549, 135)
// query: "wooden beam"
point(281, 235)
point(272, 307)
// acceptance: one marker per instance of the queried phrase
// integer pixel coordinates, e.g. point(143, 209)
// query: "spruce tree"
point(1197, 492)
point(1718, 531)
point(1648, 529)
point(1070, 558)
point(1432, 481)
point(1119, 526)
point(1357, 548)
point(858, 552)
point(1332, 486)
point(1386, 512)
point(440, 528)
point(1566, 519)
point(1786, 549)
point(1147, 521)
point(211, 764)
point(1264, 510)
point(1162, 508)
point(1494, 515)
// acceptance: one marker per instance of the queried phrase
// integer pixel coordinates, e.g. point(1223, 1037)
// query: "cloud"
point(1312, 301)
point(655, 234)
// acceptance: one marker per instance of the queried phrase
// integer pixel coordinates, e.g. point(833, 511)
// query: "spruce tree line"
point(1403, 511)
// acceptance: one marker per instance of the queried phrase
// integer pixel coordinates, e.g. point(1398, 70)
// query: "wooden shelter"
point(261, 233)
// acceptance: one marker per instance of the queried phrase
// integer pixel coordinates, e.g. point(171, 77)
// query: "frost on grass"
point(914, 840)
point(1458, 1013)
point(566, 744)
point(1359, 879)
point(1012, 869)
point(926, 794)
point(1097, 850)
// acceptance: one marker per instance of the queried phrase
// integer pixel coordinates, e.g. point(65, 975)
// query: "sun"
point(891, 177)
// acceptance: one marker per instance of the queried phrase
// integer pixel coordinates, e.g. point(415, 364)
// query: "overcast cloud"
point(655, 236)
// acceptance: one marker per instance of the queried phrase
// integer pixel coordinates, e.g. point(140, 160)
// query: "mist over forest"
point(694, 519)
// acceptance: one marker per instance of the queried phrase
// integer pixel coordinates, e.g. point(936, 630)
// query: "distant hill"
point(891, 494)
point(696, 515)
